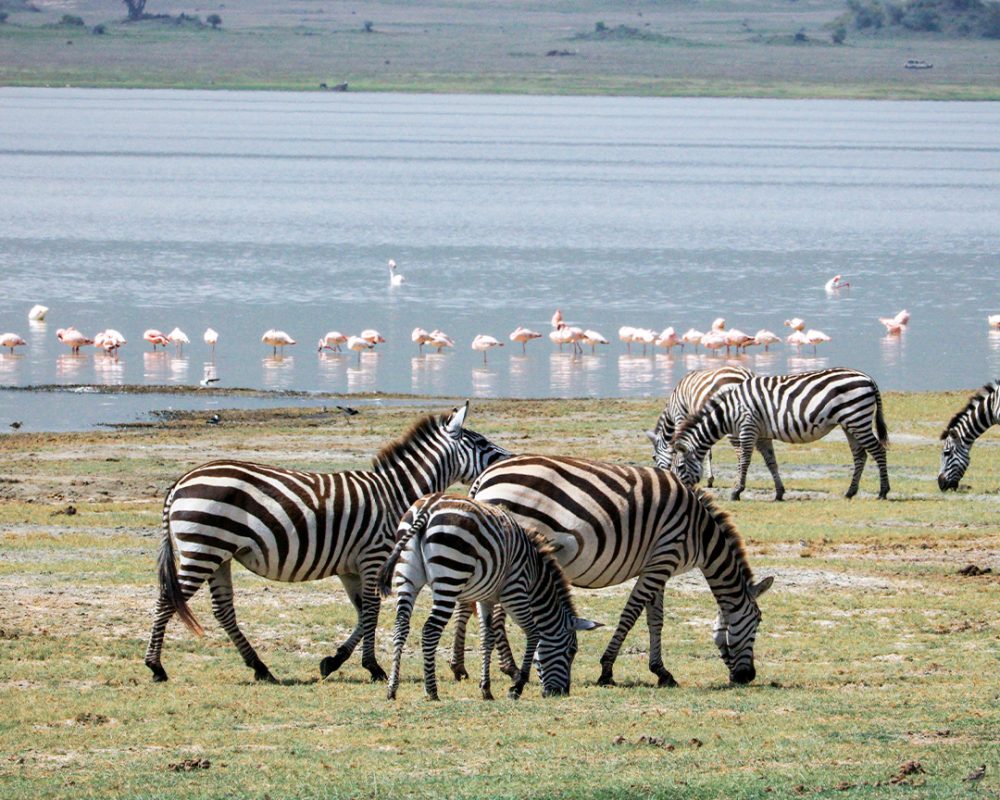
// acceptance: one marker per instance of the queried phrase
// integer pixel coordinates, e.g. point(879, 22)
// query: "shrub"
point(866, 14)
point(3, 17)
point(839, 34)
point(99, 30)
point(991, 22)
point(71, 21)
point(214, 20)
point(369, 26)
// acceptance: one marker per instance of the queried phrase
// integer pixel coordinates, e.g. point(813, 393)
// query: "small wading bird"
point(37, 313)
point(215, 419)
point(395, 278)
point(835, 283)
point(277, 339)
point(668, 339)
point(16, 424)
point(155, 337)
point(73, 339)
point(524, 335)
point(11, 340)
point(483, 343)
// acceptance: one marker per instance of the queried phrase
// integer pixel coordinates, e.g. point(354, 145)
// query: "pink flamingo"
point(420, 337)
point(766, 338)
point(993, 320)
point(277, 339)
point(179, 338)
point(155, 337)
point(439, 340)
point(795, 323)
point(37, 313)
point(835, 283)
point(668, 339)
point(359, 345)
point(73, 338)
point(719, 324)
point(109, 341)
point(815, 337)
point(483, 343)
point(524, 335)
point(626, 333)
point(645, 336)
point(372, 336)
point(593, 338)
point(11, 340)
point(713, 340)
point(332, 340)
point(211, 338)
point(692, 337)
point(557, 319)
point(736, 338)
point(395, 278)
point(797, 338)
point(897, 324)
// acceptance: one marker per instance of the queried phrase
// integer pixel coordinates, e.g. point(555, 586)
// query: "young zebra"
point(610, 523)
point(980, 413)
point(289, 525)
point(789, 408)
point(689, 395)
point(470, 552)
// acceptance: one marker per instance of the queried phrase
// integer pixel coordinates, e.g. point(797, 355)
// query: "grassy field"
point(877, 661)
point(768, 48)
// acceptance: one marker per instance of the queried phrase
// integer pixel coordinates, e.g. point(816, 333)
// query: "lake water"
point(246, 211)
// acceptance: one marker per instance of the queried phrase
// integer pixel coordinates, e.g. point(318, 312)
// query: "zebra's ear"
point(580, 624)
point(680, 447)
point(651, 436)
point(454, 426)
point(757, 589)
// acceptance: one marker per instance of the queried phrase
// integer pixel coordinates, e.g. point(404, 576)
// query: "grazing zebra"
point(689, 395)
point(472, 552)
point(980, 413)
point(289, 525)
point(789, 408)
point(610, 523)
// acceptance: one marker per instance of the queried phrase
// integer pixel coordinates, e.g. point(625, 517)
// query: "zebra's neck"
point(982, 412)
point(403, 485)
point(712, 424)
point(724, 563)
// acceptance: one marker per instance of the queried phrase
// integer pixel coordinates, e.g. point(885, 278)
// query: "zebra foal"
point(471, 552)
point(611, 523)
point(790, 408)
point(290, 525)
point(980, 413)
point(689, 395)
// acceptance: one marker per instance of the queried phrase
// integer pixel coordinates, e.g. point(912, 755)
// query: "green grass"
point(873, 652)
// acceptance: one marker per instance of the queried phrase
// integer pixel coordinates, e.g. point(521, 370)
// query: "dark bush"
point(99, 30)
point(991, 21)
point(214, 20)
point(839, 34)
point(71, 21)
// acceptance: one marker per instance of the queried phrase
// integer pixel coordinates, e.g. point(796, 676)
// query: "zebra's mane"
point(549, 562)
point(695, 417)
point(974, 402)
point(391, 452)
point(728, 530)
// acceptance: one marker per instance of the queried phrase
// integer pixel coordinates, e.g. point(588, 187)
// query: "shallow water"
point(245, 211)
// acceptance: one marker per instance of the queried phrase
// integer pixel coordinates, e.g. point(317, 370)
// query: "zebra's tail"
point(170, 588)
point(880, 428)
point(419, 524)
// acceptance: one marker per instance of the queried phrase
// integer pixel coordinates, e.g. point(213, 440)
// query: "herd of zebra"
point(531, 527)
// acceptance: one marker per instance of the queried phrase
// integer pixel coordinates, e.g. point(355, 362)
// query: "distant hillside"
point(957, 18)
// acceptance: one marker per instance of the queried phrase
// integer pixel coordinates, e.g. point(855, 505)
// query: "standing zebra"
point(789, 408)
point(294, 526)
point(610, 523)
point(980, 413)
point(472, 552)
point(689, 395)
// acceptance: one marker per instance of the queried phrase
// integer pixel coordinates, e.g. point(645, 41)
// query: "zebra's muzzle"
point(743, 675)
point(945, 483)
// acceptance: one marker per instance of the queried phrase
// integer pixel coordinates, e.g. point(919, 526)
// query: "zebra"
point(290, 525)
point(468, 551)
point(980, 413)
point(789, 408)
point(689, 395)
point(610, 523)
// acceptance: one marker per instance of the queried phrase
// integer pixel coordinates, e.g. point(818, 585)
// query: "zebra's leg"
point(330, 664)
point(505, 653)
point(654, 619)
point(486, 645)
point(747, 441)
point(872, 445)
point(457, 661)
point(709, 475)
point(643, 591)
point(221, 587)
point(517, 605)
point(860, 457)
point(371, 604)
point(406, 596)
point(441, 612)
point(766, 448)
point(189, 583)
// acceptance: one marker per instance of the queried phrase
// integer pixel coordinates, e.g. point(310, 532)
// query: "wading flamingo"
point(395, 279)
point(179, 338)
point(766, 338)
point(11, 340)
point(332, 340)
point(109, 341)
point(736, 338)
point(797, 338)
point(483, 343)
point(211, 338)
point(523, 335)
point(358, 345)
point(993, 320)
point(719, 324)
point(277, 339)
point(815, 337)
point(154, 337)
point(439, 340)
point(626, 333)
point(593, 338)
point(692, 337)
point(795, 323)
point(835, 283)
point(37, 313)
point(668, 339)
point(372, 336)
point(420, 337)
point(73, 339)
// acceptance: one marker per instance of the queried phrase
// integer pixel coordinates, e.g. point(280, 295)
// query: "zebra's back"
point(692, 392)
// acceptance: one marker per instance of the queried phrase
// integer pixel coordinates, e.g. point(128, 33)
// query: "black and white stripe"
point(980, 413)
point(289, 525)
point(610, 523)
point(470, 552)
point(789, 408)
point(689, 395)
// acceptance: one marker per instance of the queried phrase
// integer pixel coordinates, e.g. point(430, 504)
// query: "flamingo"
point(420, 337)
point(903, 317)
point(358, 345)
point(109, 340)
point(798, 338)
point(835, 283)
point(766, 338)
point(211, 338)
point(795, 323)
point(645, 336)
point(719, 324)
point(713, 340)
point(557, 319)
point(993, 320)
point(372, 336)
point(73, 339)
point(439, 340)
point(593, 338)
point(626, 333)
point(11, 340)
point(892, 328)
point(692, 337)
point(395, 279)
point(37, 313)
point(815, 337)
point(561, 336)
point(668, 339)
point(332, 340)
point(277, 339)
point(154, 337)
point(483, 343)
point(736, 338)
point(179, 338)
point(524, 335)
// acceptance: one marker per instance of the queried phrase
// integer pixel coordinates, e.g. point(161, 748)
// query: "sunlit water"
point(245, 211)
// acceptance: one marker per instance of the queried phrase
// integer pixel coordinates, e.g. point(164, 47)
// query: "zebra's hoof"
point(513, 693)
point(883, 495)
point(665, 679)
point(331, 664)
point(487, 694)
point(459, 671)
point(433, 698)
point(263, 674)
point(606, 680)
point(390, 693)
point(159, 673)
point(377, 673)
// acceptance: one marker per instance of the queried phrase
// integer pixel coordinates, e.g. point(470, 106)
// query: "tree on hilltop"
point(136, 8)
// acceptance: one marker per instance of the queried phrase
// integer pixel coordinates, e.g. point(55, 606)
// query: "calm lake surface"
point(246, 211)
